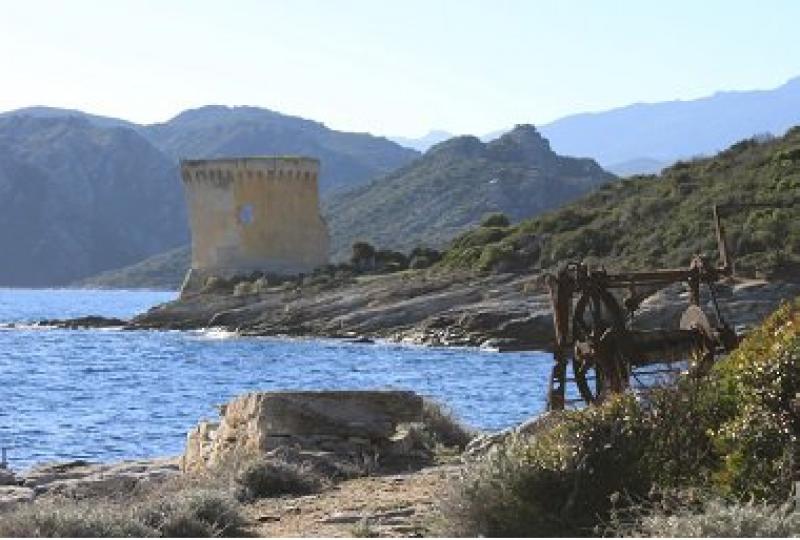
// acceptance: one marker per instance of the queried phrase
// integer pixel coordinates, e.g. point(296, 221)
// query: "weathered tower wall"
point(253, 214)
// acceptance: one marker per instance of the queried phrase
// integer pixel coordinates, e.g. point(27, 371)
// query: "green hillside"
point(661, 221)
point(456, 183)
point(164, 271)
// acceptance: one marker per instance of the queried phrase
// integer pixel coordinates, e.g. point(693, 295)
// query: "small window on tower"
point(246, 214)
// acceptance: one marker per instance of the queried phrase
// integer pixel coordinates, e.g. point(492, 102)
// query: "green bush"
point(676, 206)
point(270, 478)
point(761, 381)
point(497, 219)
point(499, 257)
point(423, 257)
point(363, 256)
point(557, 483)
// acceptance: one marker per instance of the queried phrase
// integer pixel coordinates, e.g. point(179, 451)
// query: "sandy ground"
point(400, 505)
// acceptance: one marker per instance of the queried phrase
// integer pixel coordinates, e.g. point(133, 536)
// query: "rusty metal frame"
point(612, 348)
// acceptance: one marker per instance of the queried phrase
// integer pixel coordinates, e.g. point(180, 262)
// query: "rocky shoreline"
point(497, 311)
point(501, 312)
point(80, 478)
point(425, 308)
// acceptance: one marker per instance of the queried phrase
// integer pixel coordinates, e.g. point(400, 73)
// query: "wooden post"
point(561, 289)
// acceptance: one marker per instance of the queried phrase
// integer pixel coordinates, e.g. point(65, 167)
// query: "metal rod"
point(658, 371)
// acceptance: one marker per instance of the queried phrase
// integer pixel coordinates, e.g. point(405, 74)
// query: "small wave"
point(26, 326)
point(216, 333)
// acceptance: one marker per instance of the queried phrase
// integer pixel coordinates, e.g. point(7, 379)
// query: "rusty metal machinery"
point(594, 337)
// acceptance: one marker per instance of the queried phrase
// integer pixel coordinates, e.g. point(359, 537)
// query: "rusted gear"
point(601, 344)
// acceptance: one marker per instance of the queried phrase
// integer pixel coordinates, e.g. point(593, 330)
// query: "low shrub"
point(445, 428)
point(199, 513)
point(271, 478)
point(67, 518)
point(183, 513)
point(711, 518)
point(500, 258)
point(363, 529)
point(423, 257)
point(497, 219)
point(732, 434)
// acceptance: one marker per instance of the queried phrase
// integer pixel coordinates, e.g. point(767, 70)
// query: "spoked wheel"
point(601, 362)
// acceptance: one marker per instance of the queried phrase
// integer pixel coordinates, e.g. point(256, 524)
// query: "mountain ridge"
point(453, 185)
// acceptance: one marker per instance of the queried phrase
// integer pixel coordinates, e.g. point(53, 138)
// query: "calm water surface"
point(106, 395)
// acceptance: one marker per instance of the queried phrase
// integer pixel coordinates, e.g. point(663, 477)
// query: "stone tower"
point(253, 214)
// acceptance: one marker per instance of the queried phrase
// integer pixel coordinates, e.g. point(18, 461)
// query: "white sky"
point(389, 67)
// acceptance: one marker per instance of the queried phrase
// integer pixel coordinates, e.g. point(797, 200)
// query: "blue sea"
point(107, 395)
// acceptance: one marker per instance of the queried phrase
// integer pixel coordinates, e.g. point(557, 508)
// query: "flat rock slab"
point(81, 475)
point(368, 414)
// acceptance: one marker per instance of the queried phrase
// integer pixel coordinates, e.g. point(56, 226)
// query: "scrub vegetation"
point(711, 456)
point(661, 221)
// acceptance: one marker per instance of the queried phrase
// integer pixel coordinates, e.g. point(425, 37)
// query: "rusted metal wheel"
point(601, 360)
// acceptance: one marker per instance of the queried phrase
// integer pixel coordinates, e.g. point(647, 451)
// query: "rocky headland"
point(502, 311)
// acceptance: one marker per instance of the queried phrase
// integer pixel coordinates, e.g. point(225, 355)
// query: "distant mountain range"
point(80, 193)
point(645, 137)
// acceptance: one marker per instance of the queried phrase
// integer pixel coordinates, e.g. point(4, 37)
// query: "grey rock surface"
point(75, 477)
point(345, 422)
point(498, 311)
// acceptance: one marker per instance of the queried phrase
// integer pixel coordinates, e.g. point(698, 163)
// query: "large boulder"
point(334, 421)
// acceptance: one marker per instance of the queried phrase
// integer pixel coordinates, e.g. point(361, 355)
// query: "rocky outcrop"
point(486, 443)
point(742, 303)
point(90, 321)
point(420, 307)
point(343, 422)
point(497, 311)
point(79, 479)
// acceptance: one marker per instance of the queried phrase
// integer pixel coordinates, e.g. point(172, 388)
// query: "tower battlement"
point(230, 169)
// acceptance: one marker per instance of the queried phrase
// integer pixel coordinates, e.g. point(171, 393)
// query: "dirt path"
point(396, 505)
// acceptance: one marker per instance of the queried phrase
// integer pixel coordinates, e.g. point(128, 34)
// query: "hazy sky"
point(390, 67)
